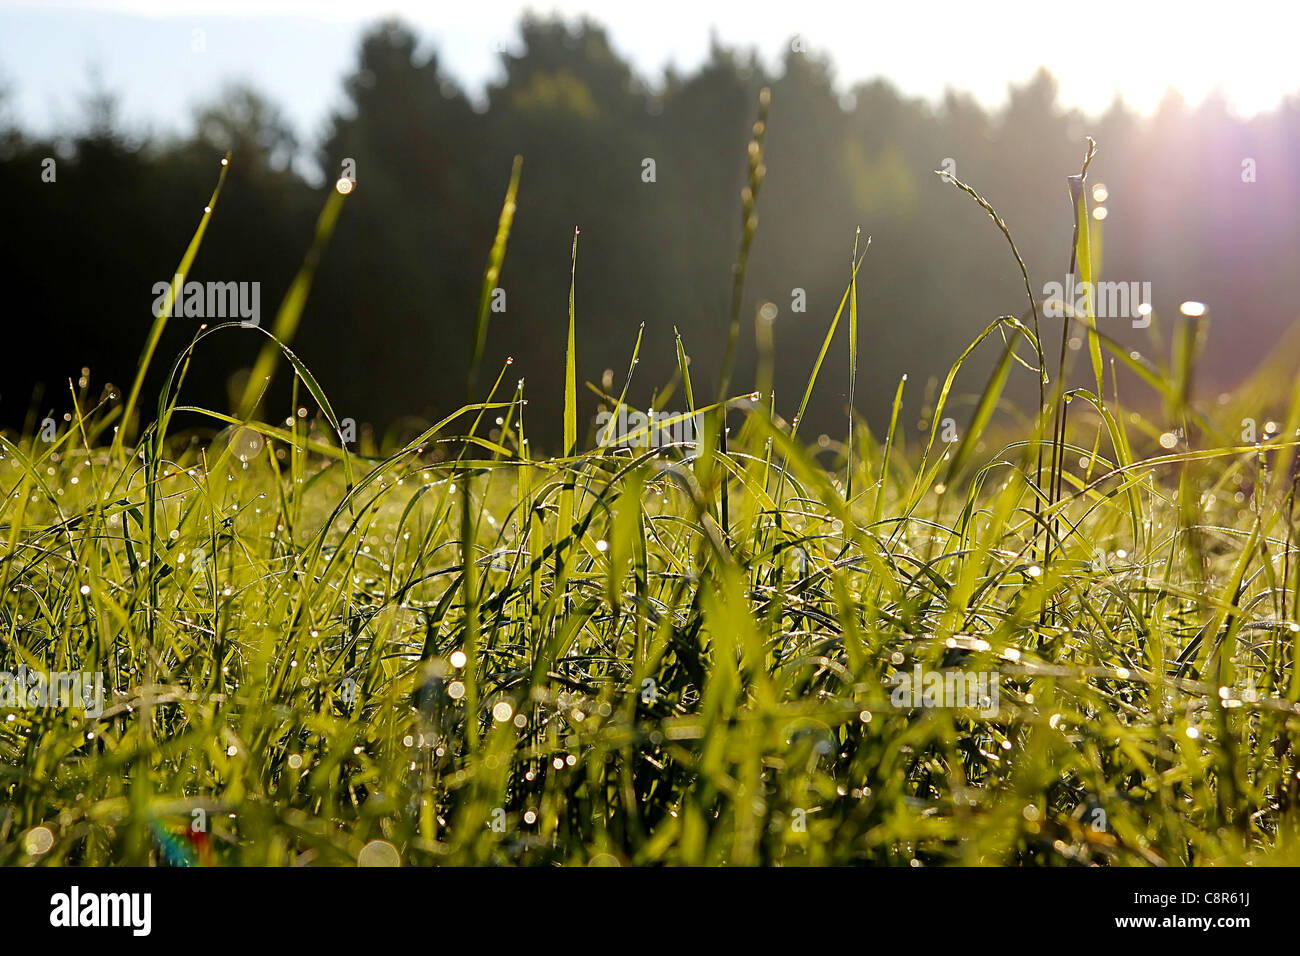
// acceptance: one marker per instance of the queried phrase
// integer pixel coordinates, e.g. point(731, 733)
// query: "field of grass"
point(457, 652)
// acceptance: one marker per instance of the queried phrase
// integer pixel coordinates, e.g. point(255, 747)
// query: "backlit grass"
point(462, 651)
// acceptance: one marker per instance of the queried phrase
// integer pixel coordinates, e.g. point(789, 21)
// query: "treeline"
point(1202, 205)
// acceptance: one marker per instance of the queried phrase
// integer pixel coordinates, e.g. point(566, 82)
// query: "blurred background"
point(1197, 123)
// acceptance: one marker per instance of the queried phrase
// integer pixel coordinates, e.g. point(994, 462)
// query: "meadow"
point(319, 651)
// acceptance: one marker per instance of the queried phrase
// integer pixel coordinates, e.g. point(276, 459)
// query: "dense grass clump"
point(456, 652)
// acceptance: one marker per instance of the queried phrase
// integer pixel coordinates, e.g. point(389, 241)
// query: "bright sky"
point(297, 50)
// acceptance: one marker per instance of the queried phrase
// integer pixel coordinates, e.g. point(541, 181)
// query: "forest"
point(1200, 207)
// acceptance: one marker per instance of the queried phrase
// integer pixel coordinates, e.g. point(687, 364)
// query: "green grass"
point(460, 651)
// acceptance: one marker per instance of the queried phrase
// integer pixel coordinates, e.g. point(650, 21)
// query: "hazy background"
point(137, 102)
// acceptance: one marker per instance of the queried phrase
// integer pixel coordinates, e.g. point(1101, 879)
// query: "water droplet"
point(379, 853)
point(39, 841)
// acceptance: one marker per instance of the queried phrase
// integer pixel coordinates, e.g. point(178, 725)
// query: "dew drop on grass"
point(39, 841)
point(379, 853)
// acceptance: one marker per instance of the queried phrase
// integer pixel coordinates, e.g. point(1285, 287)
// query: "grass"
point(456, 652)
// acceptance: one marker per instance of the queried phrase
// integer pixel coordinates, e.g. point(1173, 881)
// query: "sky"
point(162, 57)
